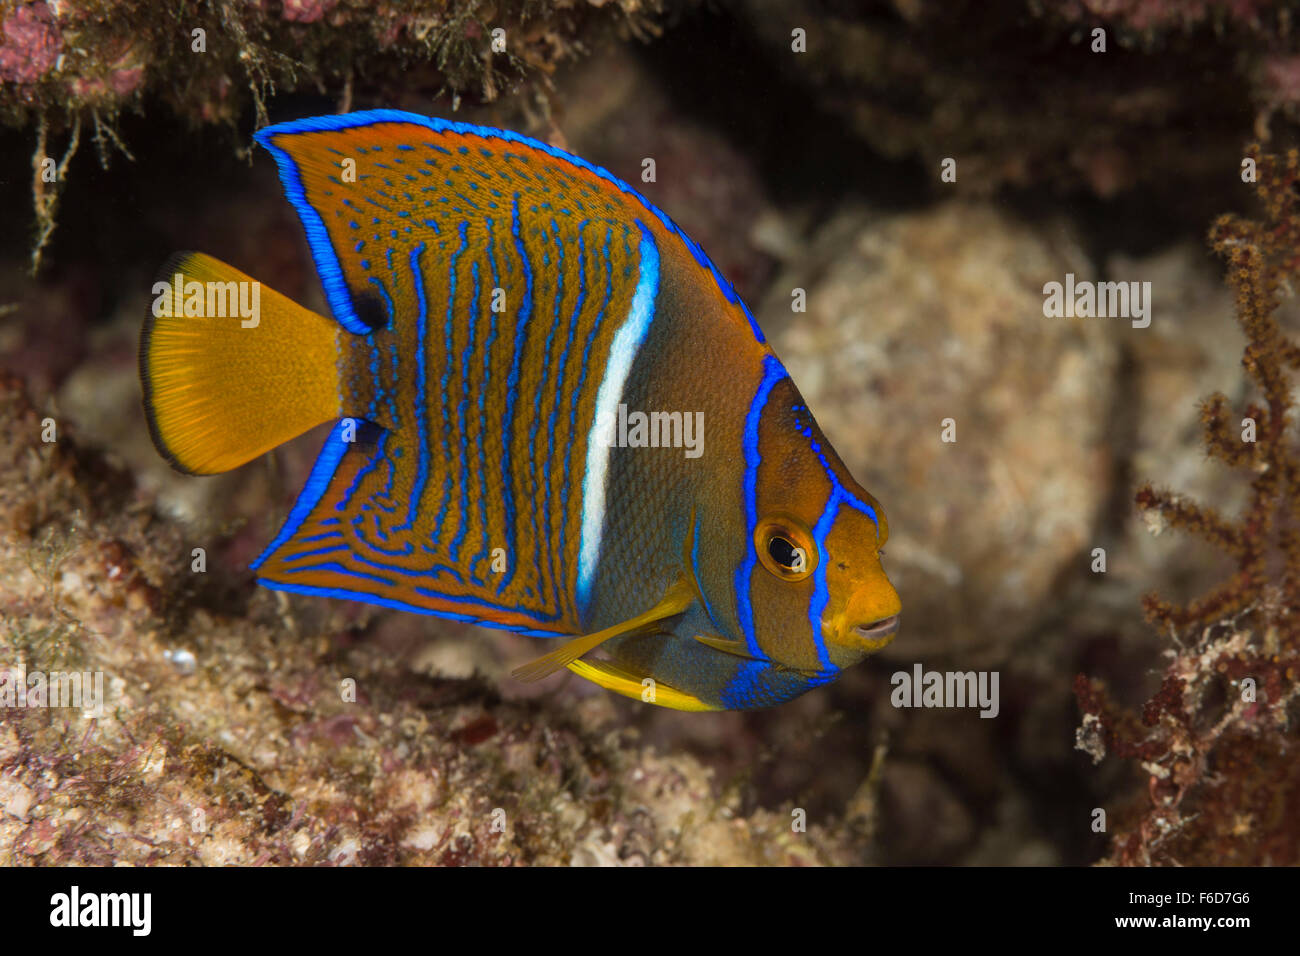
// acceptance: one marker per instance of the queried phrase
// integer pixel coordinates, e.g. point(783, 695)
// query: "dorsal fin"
point(311, 154)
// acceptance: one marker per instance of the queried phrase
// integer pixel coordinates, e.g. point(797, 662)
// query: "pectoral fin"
point(622, 681)
point(738, 648)
point(675, 600)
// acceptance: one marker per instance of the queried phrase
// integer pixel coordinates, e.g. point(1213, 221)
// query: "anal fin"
point(354, 533)
point(676, 599)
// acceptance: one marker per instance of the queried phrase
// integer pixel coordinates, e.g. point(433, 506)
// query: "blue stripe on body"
point(699, 585)
point(375, 357)
point(335, 568)
point(430, 572)
point(486, 545)
point(839, 497)
point(387, 493)
point(512, 392)
point(359, 531)
point(542, 544)
point(421, 398)
point(367, 468)
point(347, 595)
point(392, 363)
point(821, 595)
point(449, 347)
point(586, 348)
point(375, 381)
point(740, 691)
point(773, 372)
point(318, 481)
point(571, 396)
point(320, 537)
point(329, 549)
point(462, 419)
point(374, 516)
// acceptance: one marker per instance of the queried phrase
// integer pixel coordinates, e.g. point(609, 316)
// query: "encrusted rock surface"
point(228, 733)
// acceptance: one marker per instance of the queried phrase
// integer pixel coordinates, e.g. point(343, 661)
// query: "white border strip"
point(627, 342)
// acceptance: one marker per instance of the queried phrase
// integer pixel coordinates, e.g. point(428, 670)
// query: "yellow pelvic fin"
point(230, 369)
point(676, 599)
point(738, 648)
point(622, 681)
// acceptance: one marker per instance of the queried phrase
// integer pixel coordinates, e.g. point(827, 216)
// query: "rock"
point(1015, 92)
point(257, 755)
point(920, 318)
point(922, 819)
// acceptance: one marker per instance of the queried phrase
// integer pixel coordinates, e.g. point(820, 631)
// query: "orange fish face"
point(808, 595)
point(860, 614)
point(811, 593)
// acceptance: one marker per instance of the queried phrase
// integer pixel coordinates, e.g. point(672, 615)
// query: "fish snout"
point(868, 623)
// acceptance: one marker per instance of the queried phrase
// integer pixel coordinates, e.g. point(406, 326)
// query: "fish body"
point(501, 311)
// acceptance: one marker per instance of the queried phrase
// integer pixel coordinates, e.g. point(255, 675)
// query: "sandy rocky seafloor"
point(226, 739)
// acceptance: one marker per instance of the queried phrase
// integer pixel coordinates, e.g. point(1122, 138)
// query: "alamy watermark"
point(922, 688)
point(654, 430)
point(211, 300)
point(82, 690)
point(133, 911)
point(1102, 300)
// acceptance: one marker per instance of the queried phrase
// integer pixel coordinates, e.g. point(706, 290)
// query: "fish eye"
point(786, 548)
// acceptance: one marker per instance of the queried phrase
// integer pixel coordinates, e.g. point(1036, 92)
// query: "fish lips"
point(870, 638)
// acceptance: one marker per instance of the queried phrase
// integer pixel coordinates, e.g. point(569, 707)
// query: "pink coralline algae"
point(1162, 14)
point(126, 81)
point(1282, 78)
point(31, 44)
point(121, 79)
point(307, 11)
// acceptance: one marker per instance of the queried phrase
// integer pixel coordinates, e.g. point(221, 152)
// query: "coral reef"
point(210, 60)
point(229, 737)
point(76, 64)
point(1217, 740)
point(225, 736)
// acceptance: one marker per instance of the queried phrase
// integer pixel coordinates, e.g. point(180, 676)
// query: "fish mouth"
point(877, 634)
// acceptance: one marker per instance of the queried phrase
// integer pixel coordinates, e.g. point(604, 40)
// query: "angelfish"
point(495, 300)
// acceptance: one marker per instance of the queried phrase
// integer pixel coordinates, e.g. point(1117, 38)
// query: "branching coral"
point(1218, 739)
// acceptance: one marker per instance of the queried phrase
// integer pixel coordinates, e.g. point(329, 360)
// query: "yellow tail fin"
point(231, 369)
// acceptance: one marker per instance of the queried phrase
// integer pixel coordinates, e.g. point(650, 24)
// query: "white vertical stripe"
point(627, 342)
